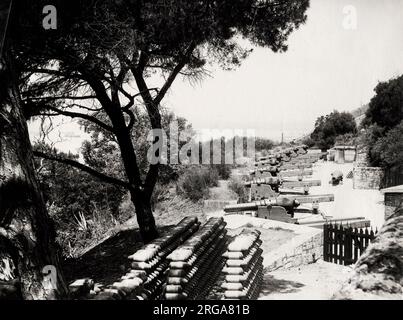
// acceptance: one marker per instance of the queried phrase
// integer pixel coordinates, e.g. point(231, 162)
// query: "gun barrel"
point(269, 181)
point(247, 206)
point(309, 183)
point(291, 166)
point(265, 169)
point(294, 173)
point(311, 198)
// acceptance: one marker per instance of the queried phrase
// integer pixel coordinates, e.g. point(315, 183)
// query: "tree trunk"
point(140, 197)
point(27, 248)
point(145, 217)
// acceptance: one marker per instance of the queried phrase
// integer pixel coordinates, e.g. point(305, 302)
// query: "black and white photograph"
point(223, 151)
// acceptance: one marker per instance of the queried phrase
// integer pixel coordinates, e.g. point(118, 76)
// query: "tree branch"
point(82, 116)
point(62, 98)
point(173, 74)
point(82, 167)
point(52, 72)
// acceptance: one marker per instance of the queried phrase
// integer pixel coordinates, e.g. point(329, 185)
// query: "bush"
point(263, 144)
point(348, 139)
point(223, 170)
point(238, 187)
point(370, 137)
point(81, 231)
point(194, 184)
point(388, 150)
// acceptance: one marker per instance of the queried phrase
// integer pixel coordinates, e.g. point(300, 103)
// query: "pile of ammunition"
point(149, 265)
point(195, 265)
point(243, 271)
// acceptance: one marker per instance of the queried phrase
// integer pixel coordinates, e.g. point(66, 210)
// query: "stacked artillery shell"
point(149, 266)
point(243, 271)
point(195, 266)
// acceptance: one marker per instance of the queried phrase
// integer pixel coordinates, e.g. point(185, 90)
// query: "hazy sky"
point(326, 67)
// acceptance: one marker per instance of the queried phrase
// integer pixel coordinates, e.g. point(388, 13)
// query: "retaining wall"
point(307, 251)
point(306, 246)
point(367, 177)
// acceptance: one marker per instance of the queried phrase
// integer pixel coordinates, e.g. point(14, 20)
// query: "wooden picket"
point(344, 244)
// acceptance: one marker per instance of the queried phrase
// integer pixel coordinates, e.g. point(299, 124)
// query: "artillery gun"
point(266, 187)
point(303, 149)
point(269, 171)
point(300, 173)
point(297, 165)
point(271, 161)
point(274, 171)
point(284, 155)
point(276, 205)
point(281, 208)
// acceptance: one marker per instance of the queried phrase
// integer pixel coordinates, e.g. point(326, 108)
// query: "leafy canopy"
point(328, 127)
point(386, 107)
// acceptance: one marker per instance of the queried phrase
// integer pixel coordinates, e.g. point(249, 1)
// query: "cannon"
point(284, 155)
point(259, 172)
point(264, 158)
point(303, 149)
point(275, 183)
point(336, 178)
point(270, 161)
point(275, 171)
point(294, 166)
point(296, 173)
point(281, 208)
point(286, 204)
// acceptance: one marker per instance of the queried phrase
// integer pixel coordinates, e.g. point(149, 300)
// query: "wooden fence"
point(343, 244)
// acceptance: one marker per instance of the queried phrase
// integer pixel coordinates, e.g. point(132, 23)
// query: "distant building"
point(344, 154)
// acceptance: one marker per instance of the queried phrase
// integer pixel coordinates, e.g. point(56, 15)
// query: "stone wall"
point(361, 159)
point(307, 252)
point(303, 247)
point(367, 177)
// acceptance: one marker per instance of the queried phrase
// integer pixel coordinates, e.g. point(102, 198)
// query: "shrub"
point(236, 184)
point(389, 149)
point(223, 170)
point(195, 182)
point(81, 231)
point(348, 139)
point(263, 144)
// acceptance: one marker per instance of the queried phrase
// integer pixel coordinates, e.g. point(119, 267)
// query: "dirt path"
point(222, 192)
point(316, 281)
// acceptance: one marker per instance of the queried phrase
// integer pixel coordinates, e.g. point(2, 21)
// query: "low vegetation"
point(194, 184)
point(236, 184)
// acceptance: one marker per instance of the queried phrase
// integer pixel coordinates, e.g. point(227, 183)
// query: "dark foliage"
point(327, 128)
point(386, 107)
point(74, 191)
